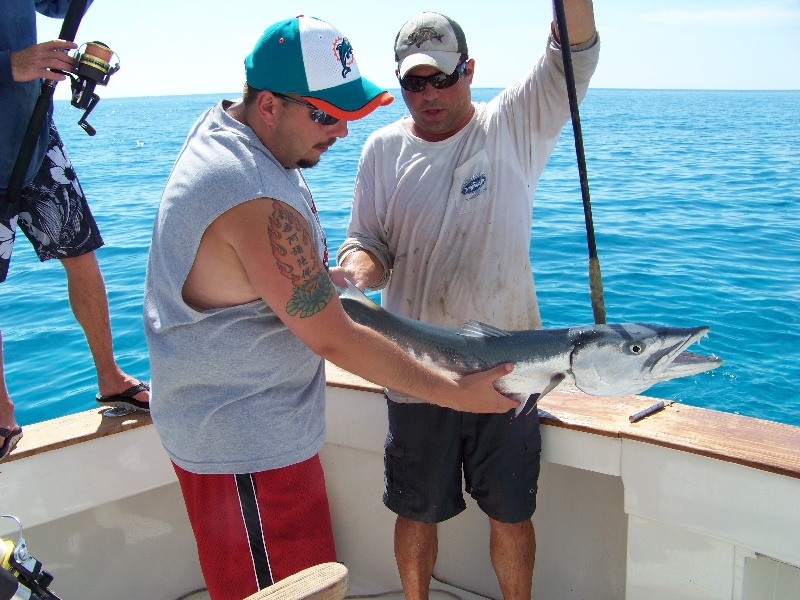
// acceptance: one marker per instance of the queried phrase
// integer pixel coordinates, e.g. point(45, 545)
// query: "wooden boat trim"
point(760, 444)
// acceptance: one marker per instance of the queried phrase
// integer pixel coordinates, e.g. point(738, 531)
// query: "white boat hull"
point(630, 514)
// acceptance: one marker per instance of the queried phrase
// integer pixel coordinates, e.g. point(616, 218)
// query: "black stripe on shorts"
point(252, 524)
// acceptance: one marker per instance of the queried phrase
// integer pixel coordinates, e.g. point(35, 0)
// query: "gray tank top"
point(233, 390)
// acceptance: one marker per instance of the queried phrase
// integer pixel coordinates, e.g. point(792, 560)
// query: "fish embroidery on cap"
point(422, 35)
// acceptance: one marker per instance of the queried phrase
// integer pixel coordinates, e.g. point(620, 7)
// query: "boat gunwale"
point(757, 443)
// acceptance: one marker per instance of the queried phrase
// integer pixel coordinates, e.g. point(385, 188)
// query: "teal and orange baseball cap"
point(311, 58)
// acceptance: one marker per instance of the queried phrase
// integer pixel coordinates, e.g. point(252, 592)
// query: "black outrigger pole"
point(595, 278)
point(69, 29)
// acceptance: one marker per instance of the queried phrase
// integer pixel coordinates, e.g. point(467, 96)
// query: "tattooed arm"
point(263, 249)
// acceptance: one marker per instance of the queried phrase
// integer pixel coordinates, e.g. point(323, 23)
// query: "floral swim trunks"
point(53, 212)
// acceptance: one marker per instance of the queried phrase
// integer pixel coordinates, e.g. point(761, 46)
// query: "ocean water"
point(696, 205)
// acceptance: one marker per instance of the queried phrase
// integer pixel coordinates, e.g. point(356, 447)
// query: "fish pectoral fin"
point(524, 401)
point(555, 380)
point(533, 399)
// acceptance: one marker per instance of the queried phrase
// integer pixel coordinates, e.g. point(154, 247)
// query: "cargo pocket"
point(533, 459)
point(474, 185)
point(394, 474)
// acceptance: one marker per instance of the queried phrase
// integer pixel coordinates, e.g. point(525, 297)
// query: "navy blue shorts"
point(53, 212)
point(428, 447)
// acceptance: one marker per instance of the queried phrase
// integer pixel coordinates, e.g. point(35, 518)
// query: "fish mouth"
point(676, 362)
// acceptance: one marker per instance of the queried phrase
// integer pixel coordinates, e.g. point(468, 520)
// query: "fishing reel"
point(21, 575)
point(93, 68)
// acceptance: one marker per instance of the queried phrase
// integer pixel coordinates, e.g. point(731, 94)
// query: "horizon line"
point(238, 93)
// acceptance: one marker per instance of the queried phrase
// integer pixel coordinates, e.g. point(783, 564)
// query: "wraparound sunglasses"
point(316, 115)
point(413, 83)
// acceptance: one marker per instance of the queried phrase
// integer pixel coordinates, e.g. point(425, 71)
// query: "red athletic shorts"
point(256, 528)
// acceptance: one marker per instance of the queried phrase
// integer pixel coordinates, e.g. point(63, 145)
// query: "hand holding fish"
point(360, 267)
point(340, 276)
point(480, 394)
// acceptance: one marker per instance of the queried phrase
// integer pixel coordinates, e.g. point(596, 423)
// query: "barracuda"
point(601, 360)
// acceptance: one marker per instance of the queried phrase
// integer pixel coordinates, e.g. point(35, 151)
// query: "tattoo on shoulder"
point(298, 261)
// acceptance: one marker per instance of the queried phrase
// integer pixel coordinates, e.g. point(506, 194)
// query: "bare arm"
point(360, 267)
point(580, 21)
point(274, 247)
point(42, 61)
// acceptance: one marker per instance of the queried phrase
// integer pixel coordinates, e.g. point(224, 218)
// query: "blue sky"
point(165, 48)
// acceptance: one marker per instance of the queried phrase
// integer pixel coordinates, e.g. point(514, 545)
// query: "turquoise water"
point(696, 203)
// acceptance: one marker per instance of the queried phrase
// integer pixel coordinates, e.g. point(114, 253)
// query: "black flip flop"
point(11, 438)
point(126, 399)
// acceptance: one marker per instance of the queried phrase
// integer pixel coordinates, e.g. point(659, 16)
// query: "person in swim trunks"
point(53, 211)
point(241, 313)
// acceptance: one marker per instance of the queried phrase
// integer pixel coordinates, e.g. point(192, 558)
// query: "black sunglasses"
point(412, 83)
point(316, 115)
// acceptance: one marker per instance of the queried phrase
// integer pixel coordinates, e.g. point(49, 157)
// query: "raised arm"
point(580, 21)
point(278, 258)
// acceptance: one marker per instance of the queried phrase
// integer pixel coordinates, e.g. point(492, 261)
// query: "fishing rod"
point(92, 68)
point(595, 278)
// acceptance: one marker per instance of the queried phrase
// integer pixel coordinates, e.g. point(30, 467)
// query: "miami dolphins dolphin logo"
point(344, 52)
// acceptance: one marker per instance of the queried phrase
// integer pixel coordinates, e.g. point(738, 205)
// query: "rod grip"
point(72, 19)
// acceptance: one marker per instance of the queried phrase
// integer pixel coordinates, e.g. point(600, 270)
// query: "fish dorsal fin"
point(353, 293)
point(478, 329)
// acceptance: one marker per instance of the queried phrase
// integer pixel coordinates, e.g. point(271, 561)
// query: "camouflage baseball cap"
point(430, 39)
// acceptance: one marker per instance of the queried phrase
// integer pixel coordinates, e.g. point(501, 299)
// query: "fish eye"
point(636, 348)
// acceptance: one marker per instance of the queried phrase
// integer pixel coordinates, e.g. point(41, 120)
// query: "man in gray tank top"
point(240, 314)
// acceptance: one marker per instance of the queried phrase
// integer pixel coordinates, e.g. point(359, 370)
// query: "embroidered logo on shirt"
point(474, 186)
